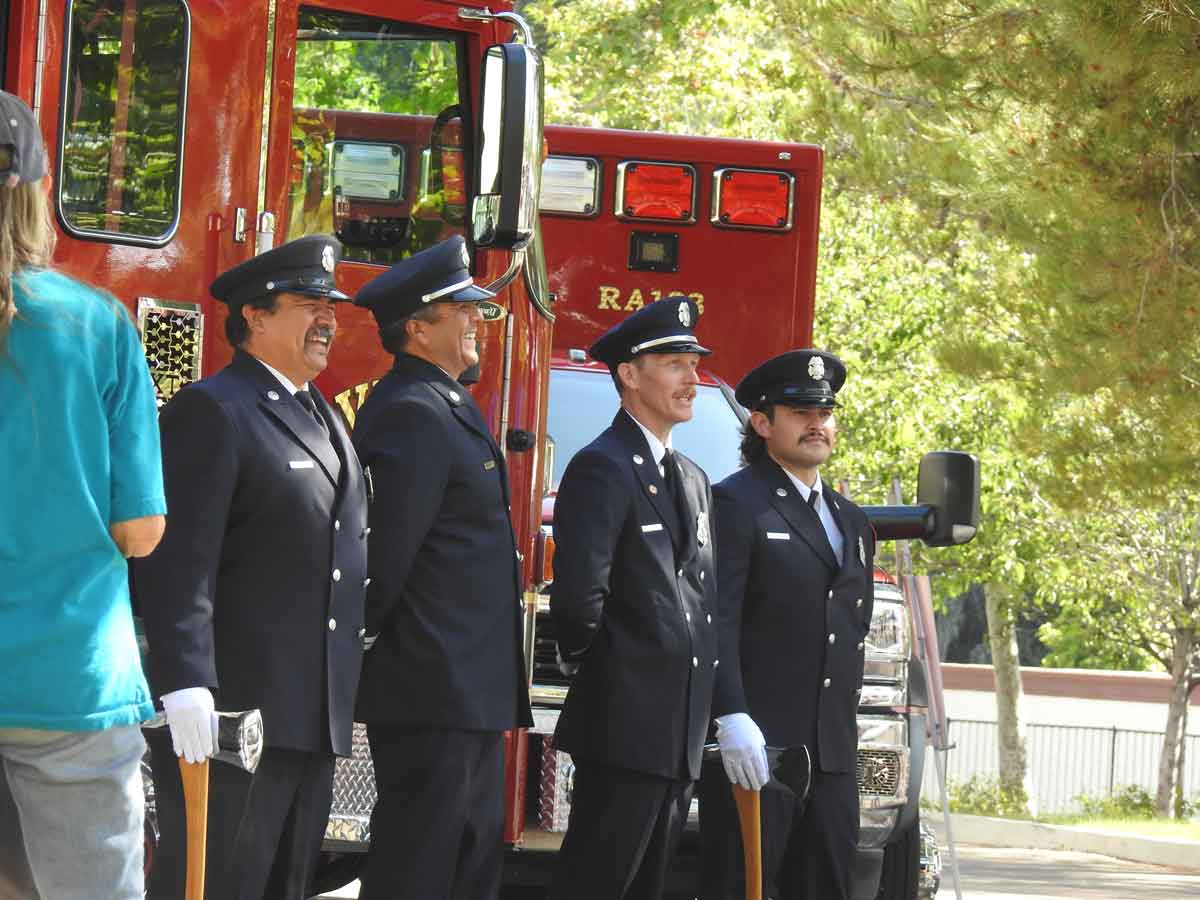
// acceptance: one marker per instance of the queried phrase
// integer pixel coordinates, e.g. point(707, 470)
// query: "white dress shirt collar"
point(283, 379)
point(803, 488)
point(657, 447)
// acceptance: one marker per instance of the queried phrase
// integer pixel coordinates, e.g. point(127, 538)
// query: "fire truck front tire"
point(336, 870)
point(900, 876)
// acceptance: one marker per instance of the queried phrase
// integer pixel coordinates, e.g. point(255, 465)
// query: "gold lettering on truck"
point(610, 298)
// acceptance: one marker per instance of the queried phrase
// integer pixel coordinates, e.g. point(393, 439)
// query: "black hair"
point(237, 329)
point(754, 447)
point(394, 335)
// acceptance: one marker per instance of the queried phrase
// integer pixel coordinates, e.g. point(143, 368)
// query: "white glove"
point(743, 751)
point(193, 722)
point(567, 668)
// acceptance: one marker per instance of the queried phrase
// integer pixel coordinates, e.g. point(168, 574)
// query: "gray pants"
point(71, 811)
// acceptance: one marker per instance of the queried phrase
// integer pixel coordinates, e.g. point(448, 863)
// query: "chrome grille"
point(353, 793)
point(173, 338)
point(878, 772)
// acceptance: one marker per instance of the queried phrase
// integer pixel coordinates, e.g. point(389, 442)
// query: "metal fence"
point(1065, 762)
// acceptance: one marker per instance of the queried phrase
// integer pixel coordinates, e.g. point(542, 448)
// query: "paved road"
point(1003, 874)
point(1007, 874)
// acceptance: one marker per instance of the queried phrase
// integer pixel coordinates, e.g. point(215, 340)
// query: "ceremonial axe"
point(240, 744)
point(791, 770)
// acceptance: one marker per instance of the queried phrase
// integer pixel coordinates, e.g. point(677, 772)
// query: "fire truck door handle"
point(265, 238)
point(239, 225)
point(519, 440)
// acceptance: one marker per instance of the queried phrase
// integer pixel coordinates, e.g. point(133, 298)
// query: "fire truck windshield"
point(583, 403)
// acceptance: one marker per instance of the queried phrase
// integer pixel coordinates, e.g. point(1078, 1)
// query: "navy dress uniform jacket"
point(793, 621)
point(636, 615)
point(445, 597)
point(256, 590)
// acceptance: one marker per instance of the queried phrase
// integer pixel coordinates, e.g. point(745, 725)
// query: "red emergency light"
point(656, 191)
point(751, 198)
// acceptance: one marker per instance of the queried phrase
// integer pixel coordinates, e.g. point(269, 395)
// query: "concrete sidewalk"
point(989, 832)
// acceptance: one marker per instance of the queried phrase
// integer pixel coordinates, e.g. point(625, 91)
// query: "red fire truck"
point(187, 135)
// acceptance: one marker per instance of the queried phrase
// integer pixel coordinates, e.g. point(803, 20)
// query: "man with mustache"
point(795, 573)
point(445, 674)
point(255, 597)
point(633, 605)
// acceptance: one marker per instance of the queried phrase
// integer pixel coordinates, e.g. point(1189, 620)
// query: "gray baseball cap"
point(19, 131)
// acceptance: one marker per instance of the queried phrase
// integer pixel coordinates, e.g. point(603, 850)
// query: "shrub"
point(1129, 802)
point(984, 796)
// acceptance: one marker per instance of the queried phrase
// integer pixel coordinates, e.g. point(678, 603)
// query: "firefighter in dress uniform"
point(632, 605)
point(444, 676)
point(254, 598)
point(795, 572)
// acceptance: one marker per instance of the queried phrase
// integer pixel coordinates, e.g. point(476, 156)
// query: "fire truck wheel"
point(336, 870)
point(900, 877)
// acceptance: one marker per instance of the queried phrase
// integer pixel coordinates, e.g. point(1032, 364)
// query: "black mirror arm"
point(901, 523)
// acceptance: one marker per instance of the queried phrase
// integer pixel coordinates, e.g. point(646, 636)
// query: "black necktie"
point(307, 402)
point(675, 492)
point(813, 497)
point(670, 475)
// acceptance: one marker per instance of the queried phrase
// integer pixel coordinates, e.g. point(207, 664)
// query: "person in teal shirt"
point(82, 491)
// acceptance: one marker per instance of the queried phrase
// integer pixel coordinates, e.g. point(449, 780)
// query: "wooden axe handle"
point(750, 818)
point(195, 803)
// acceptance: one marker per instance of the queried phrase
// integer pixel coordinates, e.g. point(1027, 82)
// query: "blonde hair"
point(26, 236)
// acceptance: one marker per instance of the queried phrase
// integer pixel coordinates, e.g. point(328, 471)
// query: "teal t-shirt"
point(79, 450)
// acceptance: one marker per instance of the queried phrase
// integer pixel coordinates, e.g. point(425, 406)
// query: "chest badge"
point(862, 552)
point(702, 528)
point(652, 489)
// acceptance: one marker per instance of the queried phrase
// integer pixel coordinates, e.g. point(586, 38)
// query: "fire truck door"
point(349, 151)
point(358, 93)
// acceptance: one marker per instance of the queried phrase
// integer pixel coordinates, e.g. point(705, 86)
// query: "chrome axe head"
point(239, 737)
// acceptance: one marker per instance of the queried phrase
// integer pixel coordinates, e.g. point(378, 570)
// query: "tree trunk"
point(1181, 764)
point(1184, 641)
point(1010, 732)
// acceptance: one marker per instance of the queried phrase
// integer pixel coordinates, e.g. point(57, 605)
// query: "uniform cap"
point(303, 266)
point(797, 378)
point(19, 131)
point(664, 326)
point(437, 274)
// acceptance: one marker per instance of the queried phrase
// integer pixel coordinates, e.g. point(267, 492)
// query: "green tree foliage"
point(1067, 130)
point(1009, 258)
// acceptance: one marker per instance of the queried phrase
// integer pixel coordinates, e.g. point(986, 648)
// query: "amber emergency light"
point(749, 198)
point(656, 191)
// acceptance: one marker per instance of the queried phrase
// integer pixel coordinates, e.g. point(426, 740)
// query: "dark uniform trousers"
point(440, 809)
point(807, 848)
point(264, 830)
point(638, 619)
point(600, 863)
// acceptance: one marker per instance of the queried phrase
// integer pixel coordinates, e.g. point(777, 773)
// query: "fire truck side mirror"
point(510, 148)
point(948, 481)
